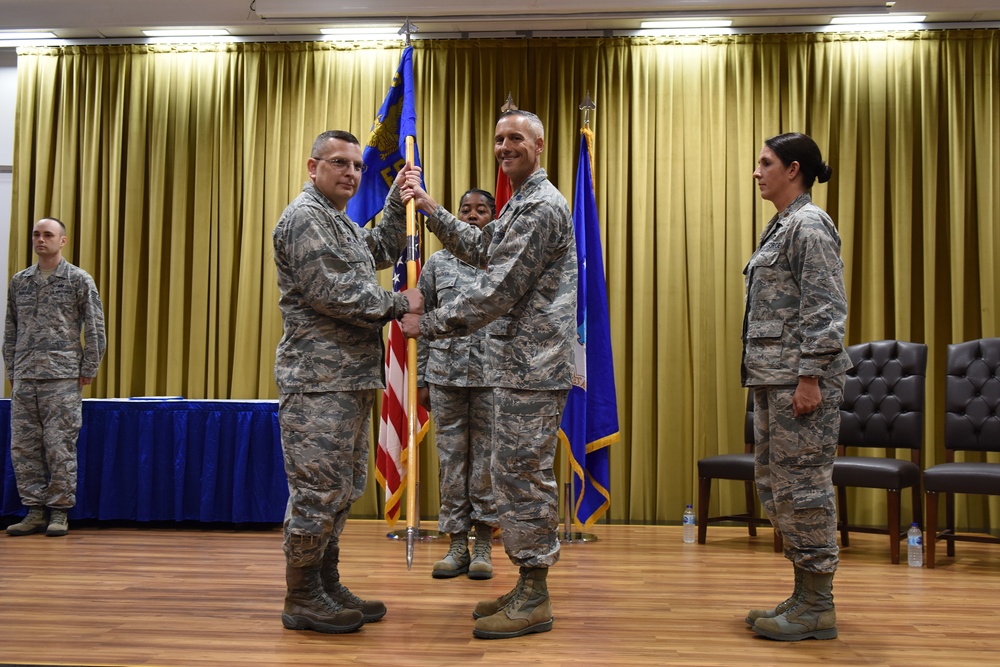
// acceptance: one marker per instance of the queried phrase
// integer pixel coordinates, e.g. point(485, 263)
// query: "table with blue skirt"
point(167, 459)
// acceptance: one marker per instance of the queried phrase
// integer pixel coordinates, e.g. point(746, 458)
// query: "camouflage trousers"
point(463, 419)
point(793, 467)
point(525, 436)
point(324, 439)
point(45, 420)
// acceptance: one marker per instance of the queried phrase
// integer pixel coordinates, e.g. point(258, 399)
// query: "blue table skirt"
point(171, 460)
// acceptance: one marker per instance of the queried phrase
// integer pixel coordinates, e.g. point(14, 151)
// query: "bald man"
point(49, 305)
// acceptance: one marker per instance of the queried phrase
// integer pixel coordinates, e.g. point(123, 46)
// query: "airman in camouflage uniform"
point(529, 293)
point(454, 372)
point(49, 304)
point(327, 367)
point(795, 362)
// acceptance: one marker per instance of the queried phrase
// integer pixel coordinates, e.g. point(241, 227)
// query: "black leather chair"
point(736, 467)
point(883, 408)
point(971, 424)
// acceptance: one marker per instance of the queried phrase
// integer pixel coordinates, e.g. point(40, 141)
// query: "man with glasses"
point(328, 367)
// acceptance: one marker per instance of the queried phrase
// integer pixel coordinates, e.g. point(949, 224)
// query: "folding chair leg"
point(704, 495)
point(893, 528)
point(845, 538)
point(949, 522)
point(918, 510)
point(930, 538)
point(751, 509)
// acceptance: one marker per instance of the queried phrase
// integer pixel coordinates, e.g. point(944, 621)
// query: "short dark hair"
point(796, 147)
point(490, 199)
point(533, 120)
point(55, 220)
point(320, 144)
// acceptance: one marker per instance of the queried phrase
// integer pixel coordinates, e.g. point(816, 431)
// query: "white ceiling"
point(124, 19)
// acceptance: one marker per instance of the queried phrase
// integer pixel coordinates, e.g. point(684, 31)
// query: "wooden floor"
point(637, 596)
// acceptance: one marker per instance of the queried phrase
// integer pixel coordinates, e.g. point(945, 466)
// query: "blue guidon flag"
point(385, 152)
point(590, 421)
point(385, 155)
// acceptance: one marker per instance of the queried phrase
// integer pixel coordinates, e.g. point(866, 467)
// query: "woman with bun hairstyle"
point(794, 361)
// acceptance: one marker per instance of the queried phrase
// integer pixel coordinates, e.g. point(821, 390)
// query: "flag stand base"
point(421, 534)
point(568, 536)
point(577, 537)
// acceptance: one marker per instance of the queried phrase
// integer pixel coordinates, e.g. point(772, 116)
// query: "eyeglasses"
point(342, 164)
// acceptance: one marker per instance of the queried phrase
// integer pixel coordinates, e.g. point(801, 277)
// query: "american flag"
point(396, 119)
point(390, 459)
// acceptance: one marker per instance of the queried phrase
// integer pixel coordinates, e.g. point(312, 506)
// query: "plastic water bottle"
point(915, 546)
point(688, 525)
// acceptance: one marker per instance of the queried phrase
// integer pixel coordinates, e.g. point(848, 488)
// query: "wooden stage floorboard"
point(637, 596)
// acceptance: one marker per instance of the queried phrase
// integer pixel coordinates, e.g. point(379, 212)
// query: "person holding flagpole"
point(452, 379)
point(328, 366)
point(529, 291)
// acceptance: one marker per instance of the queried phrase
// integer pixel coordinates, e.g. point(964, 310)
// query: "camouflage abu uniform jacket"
point(44, 320)
point(332, 305)
point(458, 361)
point(528, 291)
point(796, 306)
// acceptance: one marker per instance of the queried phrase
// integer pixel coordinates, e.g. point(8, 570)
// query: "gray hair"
point(534, 121)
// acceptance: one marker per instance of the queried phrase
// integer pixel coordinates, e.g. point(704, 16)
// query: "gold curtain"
point(170, 166)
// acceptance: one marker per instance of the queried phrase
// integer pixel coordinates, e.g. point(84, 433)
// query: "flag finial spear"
point(408, 29)
point(509, 104)
point(586, 105)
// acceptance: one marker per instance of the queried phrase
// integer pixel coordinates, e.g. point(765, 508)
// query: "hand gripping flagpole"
point(412, 424)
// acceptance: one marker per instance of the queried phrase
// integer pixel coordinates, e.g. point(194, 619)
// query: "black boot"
point(308, 607)
point(373, 610)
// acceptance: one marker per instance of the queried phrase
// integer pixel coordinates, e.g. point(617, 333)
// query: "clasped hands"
point(410, 323)
point(410, 189)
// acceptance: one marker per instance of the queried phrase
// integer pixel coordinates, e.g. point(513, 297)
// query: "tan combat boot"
point(58, 523)
point(34, 522)
point(481, 566)
point(308, 607)
point(528, 611)
point(456, 561)
point(486, 608)
point(372, 610)
point(812, 616)
point(754, 614)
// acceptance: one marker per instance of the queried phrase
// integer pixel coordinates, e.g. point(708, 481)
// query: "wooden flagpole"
point(412, 423)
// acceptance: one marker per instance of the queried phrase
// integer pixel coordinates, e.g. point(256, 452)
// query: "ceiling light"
point(362, 33)
point(868, 19)
point(690, 23)
point(26, 35)
point(185, 33)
